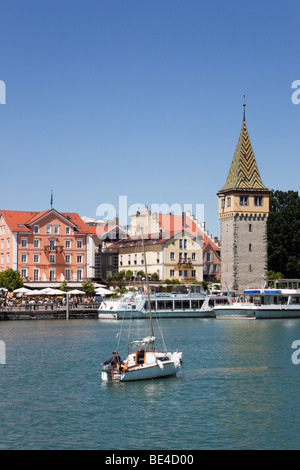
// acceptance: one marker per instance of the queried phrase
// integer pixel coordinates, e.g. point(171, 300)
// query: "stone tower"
point(243, 213)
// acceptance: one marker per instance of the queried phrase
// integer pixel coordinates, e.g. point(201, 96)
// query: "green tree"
point(88, 287)
point(283, 229)
point(10, 279)
point(154, 277)
point(64, 286)
point(129, 275)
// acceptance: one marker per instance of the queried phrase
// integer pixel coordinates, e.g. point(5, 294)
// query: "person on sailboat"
point(113, 360)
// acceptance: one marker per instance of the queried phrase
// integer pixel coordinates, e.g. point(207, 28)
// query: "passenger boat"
point(182, 302)
point(145, 362)
point(281, 300)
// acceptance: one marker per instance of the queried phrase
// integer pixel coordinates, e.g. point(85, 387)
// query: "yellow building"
point(177, 256)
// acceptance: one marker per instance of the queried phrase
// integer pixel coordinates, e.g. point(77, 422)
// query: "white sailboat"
point(144, 362)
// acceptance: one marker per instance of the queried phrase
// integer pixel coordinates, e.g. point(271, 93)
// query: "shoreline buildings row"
point(51, 246)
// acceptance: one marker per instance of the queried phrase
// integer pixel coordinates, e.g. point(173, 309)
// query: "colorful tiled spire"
point(243, 174)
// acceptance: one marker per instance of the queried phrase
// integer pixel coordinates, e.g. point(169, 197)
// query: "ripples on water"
point(238, 388)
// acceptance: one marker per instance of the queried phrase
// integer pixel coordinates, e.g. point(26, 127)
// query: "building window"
point(250, 227)
point(185, 244)
point(229, 201)
point(36, 258)
point(185, 273)
point(7, 258)
point(56, 229)
point(258, 201)
point(24, 242)
point(172, 272)
point(68, 244)
point(244, 200)
point(194, 256)
point(79, 259)
point(2, 244)
point(36, 243)
point(8, 243)
point(68, 274)
point(52, 259)
point(79, 244)
point(79, 274)
point(52, 275)
point(24, 273)
point(194, 273)
point(68, 230)
point(250, 247)
point(180, 272)
point(48, 229)
point(172, 256)
point(68, 259)
point(23, 258)
point(180, 244)
point(36, 274)
point(36, 229)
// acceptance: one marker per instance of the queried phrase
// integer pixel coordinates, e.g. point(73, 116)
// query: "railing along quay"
point(35, 312)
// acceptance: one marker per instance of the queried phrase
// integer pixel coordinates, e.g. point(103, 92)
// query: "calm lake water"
point(238, 389)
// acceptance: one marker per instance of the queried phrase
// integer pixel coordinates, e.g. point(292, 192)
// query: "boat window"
point(186, 304)
point(160, 304)
point(169, 304)
point(195, 303)
point(139, 358)
point(177, 304)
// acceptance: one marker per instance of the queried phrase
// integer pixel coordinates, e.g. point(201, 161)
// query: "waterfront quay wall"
point(82, 311)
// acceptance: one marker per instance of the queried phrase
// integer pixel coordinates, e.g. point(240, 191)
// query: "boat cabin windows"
point(139, 357)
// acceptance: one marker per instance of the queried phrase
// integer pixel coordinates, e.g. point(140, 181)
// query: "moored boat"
point(182, 302)
point(281, 300)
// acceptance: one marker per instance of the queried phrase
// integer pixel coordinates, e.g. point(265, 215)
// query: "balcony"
point(185, 262)
point(53, 249)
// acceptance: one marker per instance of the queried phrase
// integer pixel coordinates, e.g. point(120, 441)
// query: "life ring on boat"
point(233, 299)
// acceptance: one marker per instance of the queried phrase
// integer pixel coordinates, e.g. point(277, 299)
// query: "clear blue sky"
point(109, 98)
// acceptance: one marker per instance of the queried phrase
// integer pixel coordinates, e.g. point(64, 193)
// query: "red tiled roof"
point(17, 220)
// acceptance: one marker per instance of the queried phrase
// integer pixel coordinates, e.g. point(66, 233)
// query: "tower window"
point(250, 268)
point(244, 200)
point(250, 247)
point(228, 201)
point(250, 227)
point(258, 201)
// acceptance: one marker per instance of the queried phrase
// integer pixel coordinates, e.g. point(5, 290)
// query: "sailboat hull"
point(152, 370)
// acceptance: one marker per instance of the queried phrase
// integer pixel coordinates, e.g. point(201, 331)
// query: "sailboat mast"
point(147, 284)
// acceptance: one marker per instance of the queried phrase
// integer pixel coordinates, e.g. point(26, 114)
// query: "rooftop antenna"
point(244, 117)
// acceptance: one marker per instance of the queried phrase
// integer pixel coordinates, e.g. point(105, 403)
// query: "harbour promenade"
point(42, 312)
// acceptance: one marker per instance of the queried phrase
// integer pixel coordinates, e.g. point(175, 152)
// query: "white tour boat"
point(182, 302)
point(282, 300)
point(145, 362)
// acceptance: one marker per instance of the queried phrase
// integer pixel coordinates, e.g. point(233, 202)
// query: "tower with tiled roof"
point(243, 213)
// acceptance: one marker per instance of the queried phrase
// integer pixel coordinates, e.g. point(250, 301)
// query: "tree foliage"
point(10, 279)
point(283, 230)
